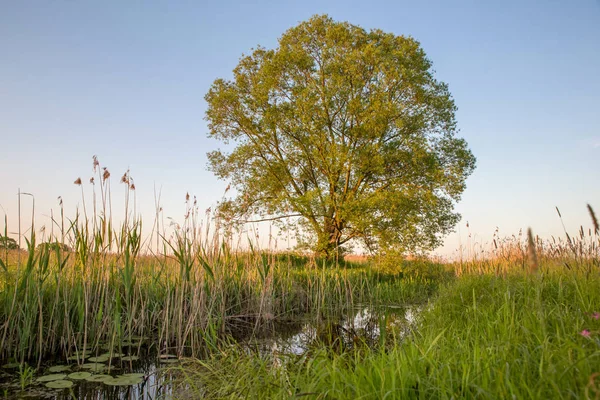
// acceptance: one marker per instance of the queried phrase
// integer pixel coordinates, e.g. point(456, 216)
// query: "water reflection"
point(361, 327)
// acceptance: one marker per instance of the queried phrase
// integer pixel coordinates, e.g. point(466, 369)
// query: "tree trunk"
point(328, 245)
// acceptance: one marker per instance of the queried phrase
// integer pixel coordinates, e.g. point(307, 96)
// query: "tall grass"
point(521, 323)
point(580, 252)
point(520, 336)
point(188, 290)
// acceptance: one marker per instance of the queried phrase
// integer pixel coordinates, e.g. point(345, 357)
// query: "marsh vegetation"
point(202, 318)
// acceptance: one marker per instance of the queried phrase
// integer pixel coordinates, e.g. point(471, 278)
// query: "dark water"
point(363, 326)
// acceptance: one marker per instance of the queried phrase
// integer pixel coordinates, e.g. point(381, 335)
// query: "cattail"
point(125, 179)
point(96, 162)
point(531, 253)
point(106, 174)
point(594, 219)
point(77, 181)
point(187, 197)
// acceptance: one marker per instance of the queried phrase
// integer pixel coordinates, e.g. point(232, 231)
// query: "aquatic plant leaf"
point(113, 355)
point(51, 377)
point(98, 378)
point(79, 375)
point(130, 358)
point(59, 384)
point(59, 368)
point(123, 381)
point(99, 359)
point(11, 365)
point(133, 375)
point(94, 367)
point(77, 357)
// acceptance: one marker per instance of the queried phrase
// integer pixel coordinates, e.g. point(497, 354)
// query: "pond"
point(149, 375)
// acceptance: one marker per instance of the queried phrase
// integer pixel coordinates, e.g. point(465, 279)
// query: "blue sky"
point(126, 81)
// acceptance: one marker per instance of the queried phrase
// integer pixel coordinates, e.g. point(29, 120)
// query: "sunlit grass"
point(482, 337)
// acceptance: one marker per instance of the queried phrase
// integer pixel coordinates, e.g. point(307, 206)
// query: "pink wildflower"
point(596, 315)
point(585, 333)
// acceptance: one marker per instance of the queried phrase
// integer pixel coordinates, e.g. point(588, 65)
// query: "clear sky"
point(125, 80)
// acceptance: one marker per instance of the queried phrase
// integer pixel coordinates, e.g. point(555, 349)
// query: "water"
point(362, 326)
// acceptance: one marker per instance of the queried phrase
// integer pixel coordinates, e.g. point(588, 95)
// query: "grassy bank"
point(56, 302)
point(482, 336)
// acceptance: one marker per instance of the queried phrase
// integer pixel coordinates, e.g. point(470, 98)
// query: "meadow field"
point(90, 309)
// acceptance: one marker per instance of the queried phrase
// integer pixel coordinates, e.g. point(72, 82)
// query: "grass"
point(481, 337)
point(53, 305)
point(185, 292)
point(520, 322)
point(517, 320)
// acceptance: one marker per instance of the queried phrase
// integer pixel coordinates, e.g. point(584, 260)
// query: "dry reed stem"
point(531, 253)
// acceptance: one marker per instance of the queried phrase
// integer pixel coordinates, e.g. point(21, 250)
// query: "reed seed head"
point(77, 181)
point(594, 219)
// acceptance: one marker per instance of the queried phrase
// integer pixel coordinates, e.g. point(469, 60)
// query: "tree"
point(8, 243)
point(54, 246)
point(346, 130)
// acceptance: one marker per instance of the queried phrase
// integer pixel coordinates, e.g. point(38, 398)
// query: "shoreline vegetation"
point(520, 321)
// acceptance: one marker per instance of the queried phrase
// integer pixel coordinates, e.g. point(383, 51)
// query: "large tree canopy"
point(347, 130)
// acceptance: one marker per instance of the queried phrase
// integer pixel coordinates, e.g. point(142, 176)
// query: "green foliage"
point(8, 243)
point(26, 374)
point(54, 247)
point(345, 129)
point(484, 337)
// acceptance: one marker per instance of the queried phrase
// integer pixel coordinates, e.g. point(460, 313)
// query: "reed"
point(187, 291)
point(521, 320)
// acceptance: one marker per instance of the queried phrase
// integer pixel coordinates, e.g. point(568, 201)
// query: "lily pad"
point(130, 358)
point(51, 377)
point(79, 375)
point(11, 365)
point(59, 384)
point(98, 378)
point(133, 375)
point(99, 359)
point(94, 367)
point(78, 357)
point(113, 355)
point(59, 368)
point(123, 381)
